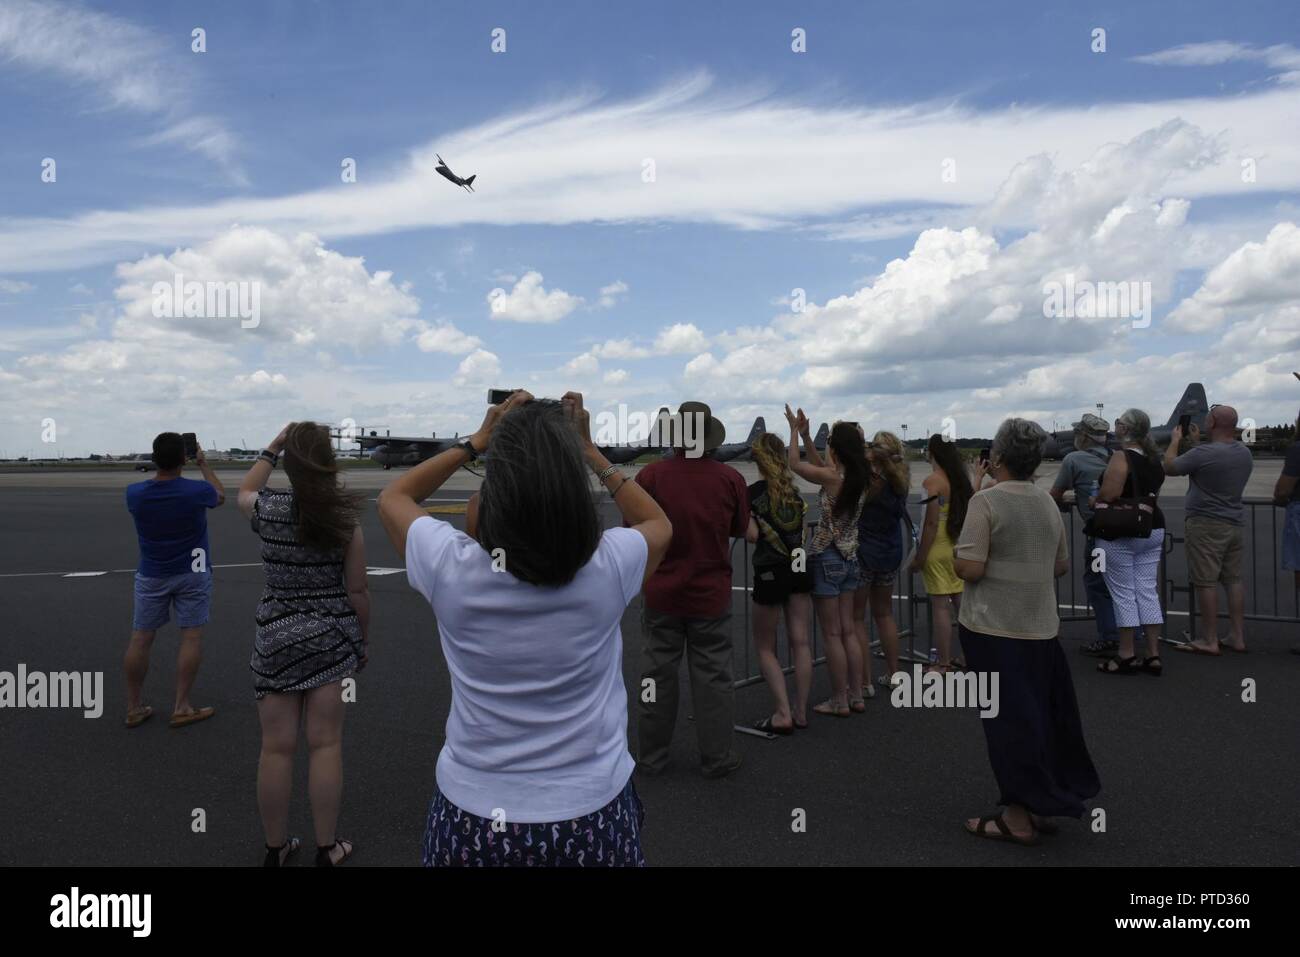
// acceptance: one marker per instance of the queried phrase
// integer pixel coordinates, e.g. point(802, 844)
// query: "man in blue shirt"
point(1081, 472)
point(171, 521)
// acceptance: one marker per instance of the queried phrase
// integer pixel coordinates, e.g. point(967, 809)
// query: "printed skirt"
point(610, 837)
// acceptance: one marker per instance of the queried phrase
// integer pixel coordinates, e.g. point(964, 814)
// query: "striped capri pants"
point(1131, 573)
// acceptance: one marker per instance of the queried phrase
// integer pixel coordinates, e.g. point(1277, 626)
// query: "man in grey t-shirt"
point(1217, 473)
point(1081, 470)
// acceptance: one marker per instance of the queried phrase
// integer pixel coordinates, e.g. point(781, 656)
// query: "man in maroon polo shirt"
point(688, 599)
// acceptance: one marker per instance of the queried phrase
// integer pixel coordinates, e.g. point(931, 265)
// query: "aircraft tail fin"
point(823, 435)
point(1192, 403)
point(759, 428)
point(469, 181)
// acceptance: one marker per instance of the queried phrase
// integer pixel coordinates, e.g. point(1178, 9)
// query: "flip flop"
point(192, 716)
point(767, 727)
point(139, 716)
point(1191, 649)
point(1003, 833)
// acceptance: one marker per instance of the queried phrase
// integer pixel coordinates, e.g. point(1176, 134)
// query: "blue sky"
point(774, 171)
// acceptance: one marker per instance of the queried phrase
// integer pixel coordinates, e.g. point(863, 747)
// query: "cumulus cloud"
point(445, 337)
point(308, 295)
point(15, 286)
point(610, 295)
point(964, 309)
point(680, 337)
point(616, 377)
point(1257, 276)
point(480, 367)
point(529, 301)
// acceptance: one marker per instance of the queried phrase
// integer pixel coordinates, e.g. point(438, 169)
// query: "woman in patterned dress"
point(312, 629)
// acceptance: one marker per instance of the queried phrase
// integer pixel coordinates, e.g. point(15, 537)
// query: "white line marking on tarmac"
point(384, 571)
point(83, 574)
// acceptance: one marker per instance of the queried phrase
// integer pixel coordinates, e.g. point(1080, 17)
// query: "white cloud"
point(480, 367)
point(578, 160)
point(529, 301)
point(309, 295)
point(445, 337)
point(583, 365)
point(620, 349)
point(616, 377)
point(15, 286)
point(120, 63)
point(609, 295)
point(1255, 276)
point(1280, 56)
point(680, 337)
point(263, 384)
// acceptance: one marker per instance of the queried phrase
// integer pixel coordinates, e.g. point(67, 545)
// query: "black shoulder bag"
point(1130, 516)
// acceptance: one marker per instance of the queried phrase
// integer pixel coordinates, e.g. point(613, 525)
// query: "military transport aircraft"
point(445, 170)
point(1193, 403)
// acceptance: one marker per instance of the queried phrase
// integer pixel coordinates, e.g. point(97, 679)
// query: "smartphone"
point(191, 445)
point(497, 396)
point(984, 454)
point(1185, 421)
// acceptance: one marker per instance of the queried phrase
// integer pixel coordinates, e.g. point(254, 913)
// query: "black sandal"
point(325, 859)
point(1120, 666)
point(767, 727)
point(1004, 833)
point(279, 856)
point(1153, 666)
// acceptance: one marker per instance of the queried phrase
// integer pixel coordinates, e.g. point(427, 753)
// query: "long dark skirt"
point(1036, 741)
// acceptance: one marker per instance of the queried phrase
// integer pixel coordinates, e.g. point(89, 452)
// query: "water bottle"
point(934, 656)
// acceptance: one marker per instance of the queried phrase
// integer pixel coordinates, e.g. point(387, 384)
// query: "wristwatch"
point(271, 458)
point(468, 447)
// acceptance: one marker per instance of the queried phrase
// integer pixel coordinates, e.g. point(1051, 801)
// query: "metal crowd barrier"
point(1265, 523)
point(1266, 582)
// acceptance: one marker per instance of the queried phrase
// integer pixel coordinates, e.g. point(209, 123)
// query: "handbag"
point(1130, 516)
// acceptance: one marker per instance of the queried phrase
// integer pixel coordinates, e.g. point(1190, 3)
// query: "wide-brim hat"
point(714, 431)
point(1093, 425)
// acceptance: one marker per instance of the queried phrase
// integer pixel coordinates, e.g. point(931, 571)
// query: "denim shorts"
point(190, 592)
point(833, 574)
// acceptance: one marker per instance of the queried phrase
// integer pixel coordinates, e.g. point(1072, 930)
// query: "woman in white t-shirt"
point(535, 769)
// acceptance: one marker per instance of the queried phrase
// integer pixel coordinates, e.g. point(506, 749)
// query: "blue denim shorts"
point(190, 592)
point(833, 574)
point(1291, 538)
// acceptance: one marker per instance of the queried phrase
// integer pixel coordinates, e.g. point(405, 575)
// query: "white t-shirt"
point(538, 723)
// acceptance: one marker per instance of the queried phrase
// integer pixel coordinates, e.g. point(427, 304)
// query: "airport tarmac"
point(1191, 774)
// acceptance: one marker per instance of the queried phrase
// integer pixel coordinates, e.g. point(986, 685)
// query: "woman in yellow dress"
point(947, 493)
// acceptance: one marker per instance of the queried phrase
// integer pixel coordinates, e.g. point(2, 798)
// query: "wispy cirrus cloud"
point(1279, 56)
point(742, 160)
point(122, 66)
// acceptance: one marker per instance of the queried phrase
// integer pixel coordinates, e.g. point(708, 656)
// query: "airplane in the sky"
point(445, 170)
point(1193, 403)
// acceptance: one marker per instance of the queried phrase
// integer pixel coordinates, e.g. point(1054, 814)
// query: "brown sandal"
point(139, 716)
point(1004, 832)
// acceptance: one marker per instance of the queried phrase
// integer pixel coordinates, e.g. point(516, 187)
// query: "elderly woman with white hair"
point(1132, 482)
point(1011, 549)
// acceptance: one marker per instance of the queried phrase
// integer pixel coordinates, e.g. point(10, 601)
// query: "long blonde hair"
point(896, 469)
point(770, 457)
